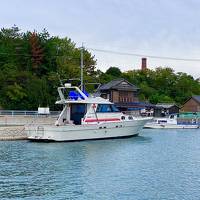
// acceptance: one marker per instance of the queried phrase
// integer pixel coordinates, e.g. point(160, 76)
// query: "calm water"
point(158, 164)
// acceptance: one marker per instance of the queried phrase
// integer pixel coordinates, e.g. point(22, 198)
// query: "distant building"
point(163, 109)
point(120, 92)
point(192, 104)
point(144, 64)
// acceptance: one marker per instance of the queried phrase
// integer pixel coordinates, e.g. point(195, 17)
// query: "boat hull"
point(84, 132)
point(170, 126)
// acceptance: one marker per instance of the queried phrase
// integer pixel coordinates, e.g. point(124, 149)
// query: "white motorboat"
point(173, 121)
point(86, 117)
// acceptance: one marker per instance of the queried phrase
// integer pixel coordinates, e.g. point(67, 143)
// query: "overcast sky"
point(168, 28)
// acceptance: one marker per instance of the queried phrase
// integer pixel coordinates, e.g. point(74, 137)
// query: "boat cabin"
point(80, 108)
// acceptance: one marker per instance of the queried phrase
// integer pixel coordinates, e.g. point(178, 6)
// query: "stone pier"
point(13, 127)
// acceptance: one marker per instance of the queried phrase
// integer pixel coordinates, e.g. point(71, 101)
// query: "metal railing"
point(26, 113)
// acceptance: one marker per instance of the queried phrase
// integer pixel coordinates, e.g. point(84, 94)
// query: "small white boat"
point(85, 117)
point(170, 122)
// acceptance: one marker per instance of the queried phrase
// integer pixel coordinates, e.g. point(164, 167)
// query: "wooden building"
point(120, 92)
point(164, 109)
point(191, 105)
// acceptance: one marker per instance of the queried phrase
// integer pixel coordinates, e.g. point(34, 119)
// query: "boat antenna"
point(82, 48)
point(61, 83)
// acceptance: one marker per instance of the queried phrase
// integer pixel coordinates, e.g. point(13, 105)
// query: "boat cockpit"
point(77, 112)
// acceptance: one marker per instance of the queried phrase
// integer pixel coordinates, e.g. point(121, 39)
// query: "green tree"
point(31, 64)
point(114, 71)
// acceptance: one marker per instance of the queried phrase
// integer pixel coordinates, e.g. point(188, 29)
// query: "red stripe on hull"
point(103, 120)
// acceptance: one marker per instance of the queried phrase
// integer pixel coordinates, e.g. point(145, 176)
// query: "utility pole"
point(82, 48)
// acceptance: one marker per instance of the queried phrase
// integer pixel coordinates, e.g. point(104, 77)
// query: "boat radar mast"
point(82, 49)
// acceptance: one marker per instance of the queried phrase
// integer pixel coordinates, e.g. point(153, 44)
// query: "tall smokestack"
point(144, 64)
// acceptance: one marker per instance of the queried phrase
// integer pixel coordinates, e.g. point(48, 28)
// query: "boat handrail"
point(25, 113)
point(68, 86)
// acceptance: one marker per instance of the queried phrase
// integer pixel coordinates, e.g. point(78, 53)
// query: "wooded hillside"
point(32, 65)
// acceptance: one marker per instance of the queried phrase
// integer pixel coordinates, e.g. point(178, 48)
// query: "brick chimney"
point(144, 64)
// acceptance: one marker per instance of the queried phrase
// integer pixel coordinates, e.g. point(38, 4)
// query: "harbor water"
point(158, 164)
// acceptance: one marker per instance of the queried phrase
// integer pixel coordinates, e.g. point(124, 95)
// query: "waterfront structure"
point(192, 104)
point(86, 117)
point(163, 109)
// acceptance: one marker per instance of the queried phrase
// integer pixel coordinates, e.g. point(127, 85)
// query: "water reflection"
point(154, 165)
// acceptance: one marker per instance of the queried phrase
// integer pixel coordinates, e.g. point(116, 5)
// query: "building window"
point(123, 93)
point(135, 94)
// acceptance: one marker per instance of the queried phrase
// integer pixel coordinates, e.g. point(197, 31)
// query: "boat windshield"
point(107, 108)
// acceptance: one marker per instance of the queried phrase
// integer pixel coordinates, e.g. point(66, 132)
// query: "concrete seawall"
point(12, 127)
point(12, 133)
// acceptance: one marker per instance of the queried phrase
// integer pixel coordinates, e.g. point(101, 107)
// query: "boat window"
point(162, 121)
point(114, 108)
point(104, 108)
point(122, 117)
point(130, 117)
point(171, 116)
point(107, 108)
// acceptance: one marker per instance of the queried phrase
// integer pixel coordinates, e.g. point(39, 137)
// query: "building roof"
point(197, 98)
point(119, 84)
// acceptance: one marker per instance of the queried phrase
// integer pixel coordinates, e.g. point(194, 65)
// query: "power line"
point(70, 57)
point(144, 55)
